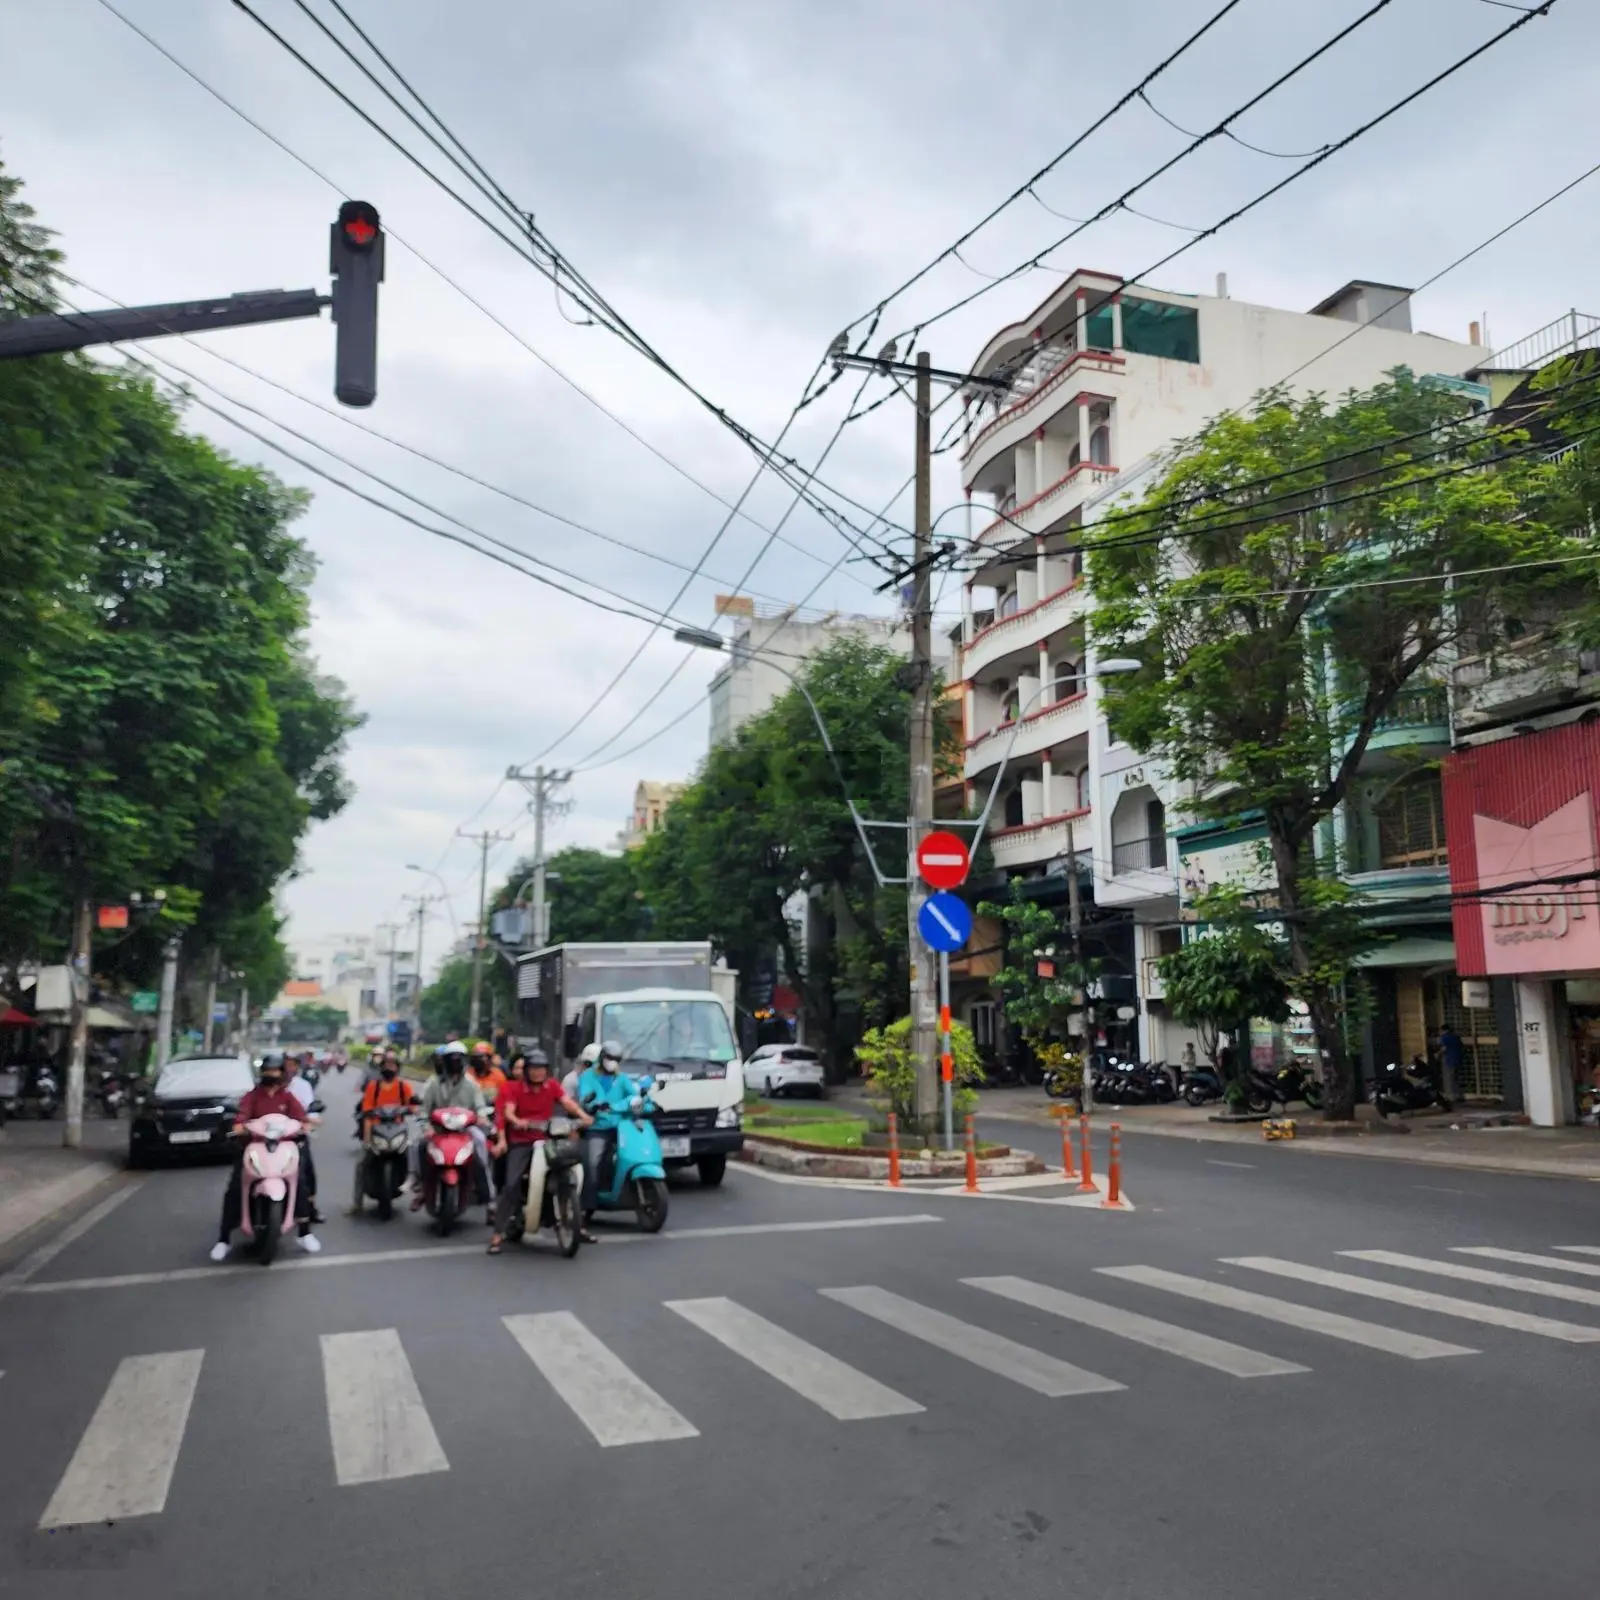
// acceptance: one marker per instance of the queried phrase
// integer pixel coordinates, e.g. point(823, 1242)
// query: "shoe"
point(317, 1218)
point(418, 1200)
point(310, 1243)
point(352, 1211)
point(220, 1252)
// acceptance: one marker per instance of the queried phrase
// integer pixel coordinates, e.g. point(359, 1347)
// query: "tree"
point(447, 1001)
point(1216, 984)
point(1295, 570)
point(1037, 1003)
point(594, 896)
point(891, 1073)
point(311, 1019)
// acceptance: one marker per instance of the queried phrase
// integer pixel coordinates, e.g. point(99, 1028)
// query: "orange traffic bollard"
point(894, 1151)
point(972, 1158)
point(1086, 1158)
point(1113, 1197)
point(1068, 1168)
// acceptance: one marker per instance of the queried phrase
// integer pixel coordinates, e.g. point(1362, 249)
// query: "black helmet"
point(272, 1061)
point(535, 1057)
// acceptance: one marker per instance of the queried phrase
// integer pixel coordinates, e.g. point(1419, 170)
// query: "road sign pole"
point(946, 1055)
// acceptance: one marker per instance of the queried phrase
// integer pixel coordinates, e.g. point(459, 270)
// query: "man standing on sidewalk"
point(1452, 1055)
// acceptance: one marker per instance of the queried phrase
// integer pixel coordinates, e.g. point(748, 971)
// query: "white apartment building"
point(1110, 380)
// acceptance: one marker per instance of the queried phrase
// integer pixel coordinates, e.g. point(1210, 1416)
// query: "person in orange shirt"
point(486, 1071)
point(387, 1089)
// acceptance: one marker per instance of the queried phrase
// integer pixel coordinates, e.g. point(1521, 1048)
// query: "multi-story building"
point(650, 802)
point(1109, 381)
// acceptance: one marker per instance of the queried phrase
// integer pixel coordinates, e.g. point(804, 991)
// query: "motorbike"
point(312, 1073)
point(1200, 1085)
point(1406, 1088)
point(1133, 1083)
point(383, 1161)
point(448, 1165)
point(113, 1093)
point(632, 1177)
point(557, 1205)
point(271, 1177)
point(1293, 1082)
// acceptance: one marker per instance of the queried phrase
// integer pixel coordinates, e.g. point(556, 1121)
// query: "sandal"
point(495, 1245)
point(587, 1237)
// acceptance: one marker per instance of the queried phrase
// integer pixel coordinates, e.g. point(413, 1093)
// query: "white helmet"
point(589, 1054)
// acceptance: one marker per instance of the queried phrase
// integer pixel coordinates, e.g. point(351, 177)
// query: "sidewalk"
point(40, 1179)
point(1442, 1139)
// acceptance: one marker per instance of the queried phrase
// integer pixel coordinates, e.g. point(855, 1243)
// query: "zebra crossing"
point(379, 1428)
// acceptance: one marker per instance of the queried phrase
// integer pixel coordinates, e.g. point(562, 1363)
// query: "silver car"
point(779, 1069)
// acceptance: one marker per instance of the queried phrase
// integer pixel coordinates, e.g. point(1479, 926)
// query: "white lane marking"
point(1413, 1346)
point(1498, 1280)
point(124, 1461)
point(813, 1374)
point(1436, 1188)
point(428, 1252)
point(1234, 1359)
point(1524, 1258)
point(1423, 1299)
point(41, 1258)
point(376, 1419)
point(1033, 1369)
point(609, 1400)
point(1243, 1166)
point(1580, 1249)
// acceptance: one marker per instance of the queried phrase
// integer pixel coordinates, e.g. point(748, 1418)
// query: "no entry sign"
point(943, 859)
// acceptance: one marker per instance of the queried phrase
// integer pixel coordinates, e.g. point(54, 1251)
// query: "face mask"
point(386, 1071)
point(271, 1080)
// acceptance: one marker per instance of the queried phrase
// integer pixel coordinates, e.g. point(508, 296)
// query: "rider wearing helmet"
point(486, 1071)
point(524, 1109)
point(587, 1057)
point(452, 1085)
point(606, 1093)
point(269, 1097)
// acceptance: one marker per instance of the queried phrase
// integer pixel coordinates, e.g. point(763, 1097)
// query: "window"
point(1155, 827)
point(1410, 819)
point(1152, 329)
point(981, 1019)
point(1100, 446)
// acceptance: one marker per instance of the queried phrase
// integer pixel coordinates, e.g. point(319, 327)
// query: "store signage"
point(1547, 920)
point(1476, 994)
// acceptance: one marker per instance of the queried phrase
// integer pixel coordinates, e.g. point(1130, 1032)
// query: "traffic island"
point(799, 1158)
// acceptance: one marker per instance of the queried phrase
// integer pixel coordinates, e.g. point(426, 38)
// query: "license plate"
point(10, 1085)
point(671, 1149)
point(187, 1138)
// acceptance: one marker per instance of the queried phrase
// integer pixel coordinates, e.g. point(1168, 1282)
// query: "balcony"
point(1039, 730)
point(1419, 716)
point(1034, 843)
point(1029, 409)
point(1139, 872)
point(1535, 674)
point(1025, 628)
point(1050, 504)
point(1139, 855)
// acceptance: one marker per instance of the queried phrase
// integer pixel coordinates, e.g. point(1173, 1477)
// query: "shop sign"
point(1476, 994)
point(1547, 920)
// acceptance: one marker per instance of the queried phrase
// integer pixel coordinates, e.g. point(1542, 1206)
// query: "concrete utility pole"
point(169, 998)
point(78, 1056)
point(483, 841)
point(924, 975)
point(393, 930)
point(1075, 928)
point(423, 901)
point(541, 785)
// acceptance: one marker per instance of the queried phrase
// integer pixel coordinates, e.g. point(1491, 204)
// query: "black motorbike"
point(1293, 1082)
point(384, 1161)
point(113, 1092)
point(1407, 1088)
point(1200, 1085)
point(1132, 1083)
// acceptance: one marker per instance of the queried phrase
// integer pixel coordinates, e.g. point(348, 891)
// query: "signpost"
point(945, 923)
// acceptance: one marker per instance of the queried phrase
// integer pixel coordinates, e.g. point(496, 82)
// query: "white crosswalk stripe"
point(376, 1419)
point(1498, 1280)
point(1580, 1249)
point(1423, 1299)
point(824, 1380)
point(1524, 1258)
point(1234, 1359)
point(1333, 1324)
point(1033, 1369)
point(124, 1462)
point(616, 1406)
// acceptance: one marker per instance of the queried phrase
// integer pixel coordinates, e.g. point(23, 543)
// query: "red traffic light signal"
point(358, 224)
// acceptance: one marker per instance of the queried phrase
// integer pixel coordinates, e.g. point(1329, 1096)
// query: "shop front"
point(1525, 880)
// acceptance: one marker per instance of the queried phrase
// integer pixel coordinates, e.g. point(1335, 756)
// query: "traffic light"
point(356, 261)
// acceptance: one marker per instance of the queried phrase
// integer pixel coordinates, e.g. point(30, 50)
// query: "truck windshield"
point(669, 1030)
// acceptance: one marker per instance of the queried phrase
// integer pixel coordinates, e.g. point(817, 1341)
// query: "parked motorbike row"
point(632, 1177)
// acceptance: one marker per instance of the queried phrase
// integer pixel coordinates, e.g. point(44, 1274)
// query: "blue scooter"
point(637, 1181)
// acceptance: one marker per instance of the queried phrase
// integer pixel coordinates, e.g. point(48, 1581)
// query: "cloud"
point(743, 181)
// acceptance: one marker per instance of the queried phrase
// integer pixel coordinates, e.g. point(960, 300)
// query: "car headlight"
point(730, 1116)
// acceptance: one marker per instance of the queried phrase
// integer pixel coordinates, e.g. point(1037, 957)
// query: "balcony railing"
point(1423, 707)
point(1046, 726)
point(1087, 475)
point(1012, 632)
point(1043, 840)
point(1140, 855)
point(1018, 403)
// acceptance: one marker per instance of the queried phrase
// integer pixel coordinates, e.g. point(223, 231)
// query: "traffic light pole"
point(76, 330)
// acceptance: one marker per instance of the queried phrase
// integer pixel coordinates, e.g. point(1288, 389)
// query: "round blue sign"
point(945, 922)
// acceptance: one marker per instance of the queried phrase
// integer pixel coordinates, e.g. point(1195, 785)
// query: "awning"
point(123, 1021)
point(1411, 953)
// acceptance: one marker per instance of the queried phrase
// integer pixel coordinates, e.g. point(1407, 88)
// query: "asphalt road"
point(799, 1392)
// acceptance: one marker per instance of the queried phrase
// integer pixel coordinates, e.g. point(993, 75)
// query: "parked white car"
point(777, 1069)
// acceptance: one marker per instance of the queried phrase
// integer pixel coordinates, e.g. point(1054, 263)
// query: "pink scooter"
point(271, 1176)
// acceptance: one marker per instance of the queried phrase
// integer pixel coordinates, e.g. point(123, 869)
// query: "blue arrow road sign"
point(944, 922)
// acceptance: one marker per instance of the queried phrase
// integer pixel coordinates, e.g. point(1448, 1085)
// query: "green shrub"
point(885, 1058)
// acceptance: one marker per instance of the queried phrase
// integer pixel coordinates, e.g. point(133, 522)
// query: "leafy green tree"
point(312, 1020)
point(1037, 1005)
point(594, 896)
point(447, 1001)
point(891, 1073)
point(1279, 622)
point(1218, 983)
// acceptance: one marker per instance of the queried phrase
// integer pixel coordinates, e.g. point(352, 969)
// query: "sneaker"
point(310, 1243)
point(219, 1252)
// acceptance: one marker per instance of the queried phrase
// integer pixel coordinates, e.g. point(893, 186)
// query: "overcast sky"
point(742, 178)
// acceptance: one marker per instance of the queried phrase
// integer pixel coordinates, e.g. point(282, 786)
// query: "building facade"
point(650, 802)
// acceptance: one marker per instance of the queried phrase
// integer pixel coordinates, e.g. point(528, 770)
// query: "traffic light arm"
point(37, 336)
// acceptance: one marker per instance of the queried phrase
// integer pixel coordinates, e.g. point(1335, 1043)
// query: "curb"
point(802, 1162)
point(16, 1247)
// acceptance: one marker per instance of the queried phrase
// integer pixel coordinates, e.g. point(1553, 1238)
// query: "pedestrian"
point(1452, 1057)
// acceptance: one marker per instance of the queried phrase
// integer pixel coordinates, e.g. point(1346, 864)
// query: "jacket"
point(605, 1095)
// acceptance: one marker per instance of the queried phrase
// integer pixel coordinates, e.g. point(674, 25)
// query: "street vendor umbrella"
point(12, 1018)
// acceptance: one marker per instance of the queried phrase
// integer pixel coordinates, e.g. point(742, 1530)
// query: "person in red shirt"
point(269, 1097)
point(387, 1089)
point(523, 1110)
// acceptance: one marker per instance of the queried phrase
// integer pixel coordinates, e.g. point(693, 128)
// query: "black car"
point(189, 1110)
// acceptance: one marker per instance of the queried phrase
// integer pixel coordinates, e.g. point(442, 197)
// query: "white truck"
point(670, 1006)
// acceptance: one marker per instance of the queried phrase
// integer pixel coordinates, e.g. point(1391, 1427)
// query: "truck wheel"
point(712, 1169)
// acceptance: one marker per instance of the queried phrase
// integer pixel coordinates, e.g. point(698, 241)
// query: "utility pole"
point(393, 930)
point(541, 785)
point(423, 900)
point(169, 997)
point(78, 1057)
point(483, 841)
point(924, 974)
point(1075, 929)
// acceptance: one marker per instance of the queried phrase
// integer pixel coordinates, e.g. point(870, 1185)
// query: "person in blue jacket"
point(606, 1093)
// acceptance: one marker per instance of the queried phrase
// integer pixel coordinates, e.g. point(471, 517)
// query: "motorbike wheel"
point(1257, 1102)
point(449, 1194)
point(271, 1232)
point(1057, 1087)
point(565, 1221)
point(385, 1203)
point(1195, 1094)
point(650, 1204)
point(1312, 1095)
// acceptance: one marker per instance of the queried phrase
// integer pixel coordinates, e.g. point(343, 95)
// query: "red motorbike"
point(448, 1165)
